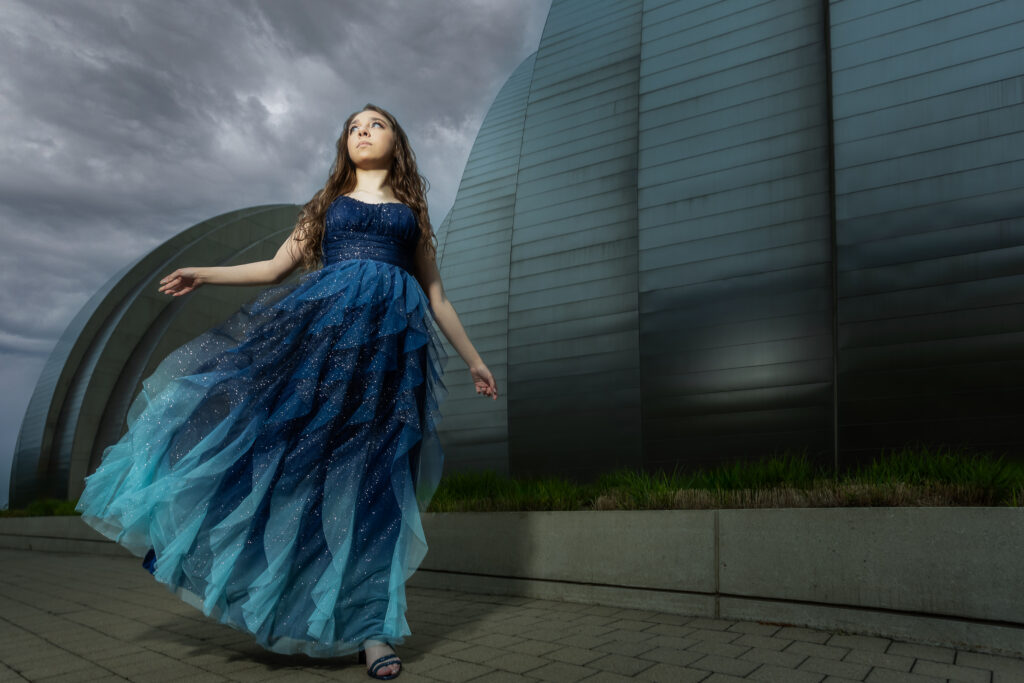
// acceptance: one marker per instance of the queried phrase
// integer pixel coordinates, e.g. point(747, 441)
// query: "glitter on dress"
point(275, 467)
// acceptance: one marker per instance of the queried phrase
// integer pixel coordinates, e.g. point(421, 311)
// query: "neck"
point(373, 181)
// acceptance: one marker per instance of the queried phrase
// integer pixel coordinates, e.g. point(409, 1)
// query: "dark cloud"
point(125, 122)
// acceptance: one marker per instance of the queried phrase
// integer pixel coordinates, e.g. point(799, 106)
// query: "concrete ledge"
point(63, 533)
point(61, 526)
point(938, 576)
point(62, 545)
point(959, 562)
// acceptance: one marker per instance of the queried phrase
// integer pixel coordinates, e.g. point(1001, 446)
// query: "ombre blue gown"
point(275, 467)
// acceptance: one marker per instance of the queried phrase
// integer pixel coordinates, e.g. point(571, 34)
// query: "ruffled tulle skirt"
point(275, 467)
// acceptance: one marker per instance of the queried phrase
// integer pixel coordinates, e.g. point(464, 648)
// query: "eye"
point(354, 126)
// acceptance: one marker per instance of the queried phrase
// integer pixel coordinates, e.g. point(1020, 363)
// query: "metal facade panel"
point(576, 196)
point(734, 233)
point(475, 270)
point(929, 109)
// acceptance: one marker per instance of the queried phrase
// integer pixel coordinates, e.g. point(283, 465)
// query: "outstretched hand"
point(181, 281)
point(484, 381)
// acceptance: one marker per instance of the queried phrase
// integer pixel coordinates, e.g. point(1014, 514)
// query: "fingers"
point(169, 283)
point(174, 284)
point(173, 275)
point(490, 389)
point(484, 382)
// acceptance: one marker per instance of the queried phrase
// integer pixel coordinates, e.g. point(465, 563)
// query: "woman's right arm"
point(272, 271)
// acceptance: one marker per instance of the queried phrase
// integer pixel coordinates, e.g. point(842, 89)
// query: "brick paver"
point(72, 618)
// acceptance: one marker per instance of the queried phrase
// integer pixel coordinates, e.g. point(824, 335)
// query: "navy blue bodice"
point(358, 230)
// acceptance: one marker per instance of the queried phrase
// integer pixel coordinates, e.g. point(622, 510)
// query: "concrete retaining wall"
point(64, 533)
point(942, 576)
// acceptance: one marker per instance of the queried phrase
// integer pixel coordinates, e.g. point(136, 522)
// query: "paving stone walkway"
point(74, 617)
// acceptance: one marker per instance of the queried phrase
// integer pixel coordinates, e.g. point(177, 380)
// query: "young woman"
point(274, 467)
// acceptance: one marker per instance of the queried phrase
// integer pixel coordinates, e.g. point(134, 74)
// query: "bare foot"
point(375, 650)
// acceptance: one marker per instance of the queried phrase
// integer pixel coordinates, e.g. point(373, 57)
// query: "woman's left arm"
point(447, 319)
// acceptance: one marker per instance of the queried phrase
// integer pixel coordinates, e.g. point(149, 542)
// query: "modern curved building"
point(699, 231)
point(687, 233)
point(121, 334)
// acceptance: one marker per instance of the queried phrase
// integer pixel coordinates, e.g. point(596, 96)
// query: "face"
point(371, 140)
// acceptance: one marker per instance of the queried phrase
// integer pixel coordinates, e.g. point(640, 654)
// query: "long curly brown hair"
point(404, 178)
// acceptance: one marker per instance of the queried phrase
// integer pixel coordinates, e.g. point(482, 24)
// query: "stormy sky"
point(125, 122)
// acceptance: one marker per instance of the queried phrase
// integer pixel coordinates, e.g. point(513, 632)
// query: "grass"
point(43, 507)
point(912, 476)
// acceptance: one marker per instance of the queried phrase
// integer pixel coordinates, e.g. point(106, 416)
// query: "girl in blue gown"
point(275, 467)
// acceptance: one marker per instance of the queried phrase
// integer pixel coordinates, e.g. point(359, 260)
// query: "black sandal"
point(379, 663)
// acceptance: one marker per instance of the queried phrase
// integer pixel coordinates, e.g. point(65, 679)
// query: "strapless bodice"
point(383, 232)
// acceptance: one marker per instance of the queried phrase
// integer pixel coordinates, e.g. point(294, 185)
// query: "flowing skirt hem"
point(264, 459)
